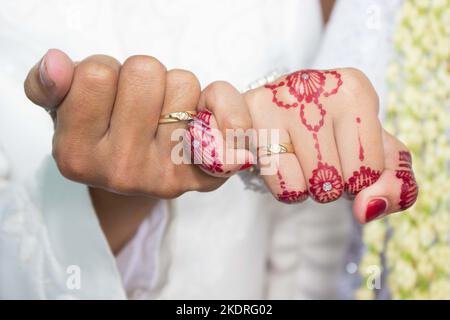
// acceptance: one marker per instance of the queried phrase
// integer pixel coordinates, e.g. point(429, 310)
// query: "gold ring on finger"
point(177, 116)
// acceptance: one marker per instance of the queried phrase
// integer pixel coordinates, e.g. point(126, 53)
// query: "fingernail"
point(375, 208)
point(43, 73)
point(246, 166)
point(203, 144)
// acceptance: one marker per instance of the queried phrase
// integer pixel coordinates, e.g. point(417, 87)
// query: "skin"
point(106, 111)
point(339, 140)
point(107, 134)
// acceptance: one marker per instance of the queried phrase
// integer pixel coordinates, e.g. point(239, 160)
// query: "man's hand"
point(106, 131)
point(107, 134)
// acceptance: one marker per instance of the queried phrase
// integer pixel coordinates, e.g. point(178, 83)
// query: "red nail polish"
point(246, 166)
point(375, 208)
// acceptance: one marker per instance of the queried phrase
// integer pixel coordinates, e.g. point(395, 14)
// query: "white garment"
point(216, 245)
point(139, 262)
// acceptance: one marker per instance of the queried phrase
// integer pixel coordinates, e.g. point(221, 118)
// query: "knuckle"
point(171, 187)
point(96, 74)
point(121, 176)
point(217, 89)
point(141, 64)
point(71, 164)
point(234, 121)
point(360, 90)
point(218, 95)
point(182, 80)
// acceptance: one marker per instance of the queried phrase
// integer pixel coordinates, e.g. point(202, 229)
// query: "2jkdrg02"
point(245, 309)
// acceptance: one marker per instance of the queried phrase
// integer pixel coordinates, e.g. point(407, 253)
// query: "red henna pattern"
point(287, 196)
point(361, 149)
point(361, 179)
point(203, 143)
point(317, 146)
point(305, 85)
point(313, 127)
point(326, 183)
point(409, 189)
point(308, 86)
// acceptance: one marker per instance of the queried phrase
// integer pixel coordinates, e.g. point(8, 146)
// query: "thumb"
point(49, 80)
point(395, 190)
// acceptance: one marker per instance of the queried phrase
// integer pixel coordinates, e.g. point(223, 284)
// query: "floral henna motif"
point(326, 183)
point(287, 196)
point(361, 179)
point(308, 87)
point(203, 143)
point(409, 189)
point(306, 84)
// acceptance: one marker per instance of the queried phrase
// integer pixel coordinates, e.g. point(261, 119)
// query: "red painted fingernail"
point(245, 166)
point(375, 208)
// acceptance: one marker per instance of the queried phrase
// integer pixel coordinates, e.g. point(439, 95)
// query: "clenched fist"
point(106, 126)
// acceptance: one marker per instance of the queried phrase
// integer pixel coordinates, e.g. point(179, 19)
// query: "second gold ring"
point(275, 149)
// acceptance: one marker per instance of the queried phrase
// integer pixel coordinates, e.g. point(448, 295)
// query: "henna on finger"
point(289, 196)
point(326, 184)
point(204, 151)
point(409, 189)
point(361, 179)
point(308, 87)
point(361, 149)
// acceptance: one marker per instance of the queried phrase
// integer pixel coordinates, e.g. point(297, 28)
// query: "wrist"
point(120, 215)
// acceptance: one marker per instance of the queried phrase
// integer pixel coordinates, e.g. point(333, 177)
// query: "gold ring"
point(177, 116)
point(276, 149)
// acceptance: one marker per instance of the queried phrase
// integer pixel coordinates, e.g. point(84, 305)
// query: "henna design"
point(361, 149)
point(361, 179)
point(308, 87)
point(313, 127)
point(409, 189)
point(317, 147)
point(305, 85)
point(203, 143)
point(287, 196)
point(326, 183)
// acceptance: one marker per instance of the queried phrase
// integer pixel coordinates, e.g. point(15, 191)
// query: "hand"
point(106, 131)
point(107, 134)
point(330, 118)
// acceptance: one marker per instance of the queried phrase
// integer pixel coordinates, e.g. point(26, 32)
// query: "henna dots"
point(289, 196)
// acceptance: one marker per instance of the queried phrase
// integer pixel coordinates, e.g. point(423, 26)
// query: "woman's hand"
point(331, 120)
